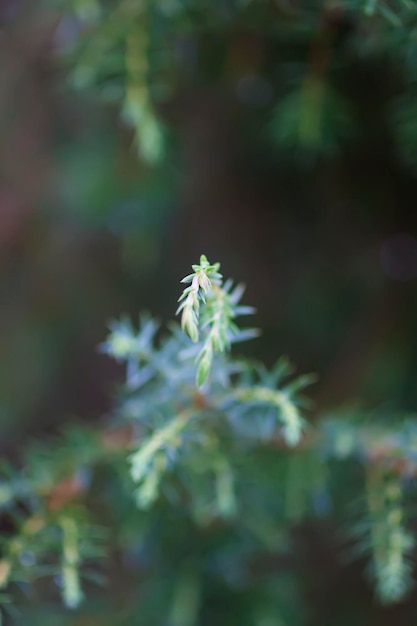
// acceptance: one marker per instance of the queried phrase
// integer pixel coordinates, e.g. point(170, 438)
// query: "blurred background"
point(277, 137)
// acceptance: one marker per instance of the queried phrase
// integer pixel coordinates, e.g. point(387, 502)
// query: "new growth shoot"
point(208, 309)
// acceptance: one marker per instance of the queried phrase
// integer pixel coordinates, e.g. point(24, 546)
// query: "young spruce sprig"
point(208, 308)
point(202, 280)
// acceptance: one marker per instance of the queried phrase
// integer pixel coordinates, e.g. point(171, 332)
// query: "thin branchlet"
point(217, 322)
point(71, 587)
point(287, 412)
point(390, 543)
point(208, 309)
point(203, 277)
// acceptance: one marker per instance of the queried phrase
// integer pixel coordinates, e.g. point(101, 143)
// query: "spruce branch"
point(148, 463)
point(71, 560)
point(200, 440)
point(204, 275)
point(208, 309)
point(286, 410)
point(390, 543)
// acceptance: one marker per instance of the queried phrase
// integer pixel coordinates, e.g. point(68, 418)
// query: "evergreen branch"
point(148, 490)
point(138, 108)
point(389, 541)
point(217, 320)
point(208, 307)
point(146, 463)
point(214, 466)
point(71, 586)
point(201, 280)
point(287, 411)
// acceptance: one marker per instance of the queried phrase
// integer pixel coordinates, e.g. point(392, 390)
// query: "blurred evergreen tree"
point(142, 55)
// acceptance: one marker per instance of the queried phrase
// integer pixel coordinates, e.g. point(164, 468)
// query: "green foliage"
point(390, 542)
point(219, 307)
point(141, 55)
point(209, 476)
point(311, 120)
point(201, 282)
